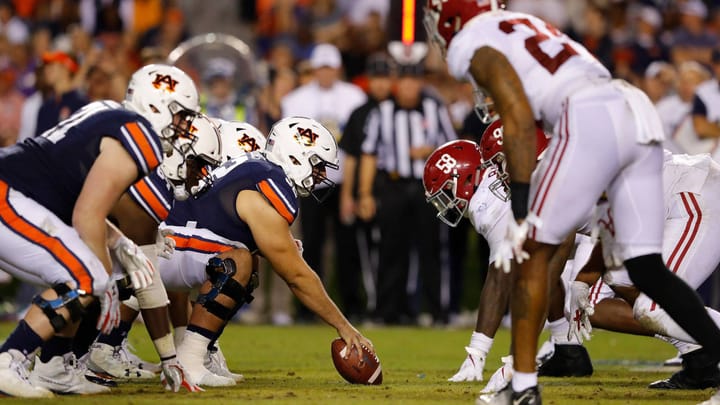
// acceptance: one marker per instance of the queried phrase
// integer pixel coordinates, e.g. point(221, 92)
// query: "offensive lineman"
point(606, 136)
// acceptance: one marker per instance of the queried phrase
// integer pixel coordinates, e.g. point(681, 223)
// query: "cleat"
point(64, 375)
point(114, 362)
point(545, 353)
point(529, 396)
point(197, 373)
point(699, 371)
point(502, 397)
point(567, 361)
point(215, 362)
point(140, 363)
point(673, 362)
point(14, 379)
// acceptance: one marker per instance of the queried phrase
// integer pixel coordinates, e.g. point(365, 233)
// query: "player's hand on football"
point(173, 377)
point(109, 309)
point(134, 262)
point(164, 244)
point(580, 311)
point(472, 368)
point(354, 339)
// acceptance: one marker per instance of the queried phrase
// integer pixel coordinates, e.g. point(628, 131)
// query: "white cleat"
point(502, 397)
point(215, 362)
point(114, 361)
point(197, 373)
point(547, 350)
point(714, 400)
point(14, 379)
point(142, 364)
point(64, 375)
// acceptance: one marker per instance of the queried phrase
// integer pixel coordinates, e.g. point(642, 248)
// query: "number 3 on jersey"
point(532, 44)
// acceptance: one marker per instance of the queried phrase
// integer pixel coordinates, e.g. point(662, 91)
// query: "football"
point(356, 369)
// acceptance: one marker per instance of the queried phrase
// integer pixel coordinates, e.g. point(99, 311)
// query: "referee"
point(400, 134)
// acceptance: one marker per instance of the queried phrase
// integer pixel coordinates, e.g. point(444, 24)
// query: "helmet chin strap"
point(180, 193)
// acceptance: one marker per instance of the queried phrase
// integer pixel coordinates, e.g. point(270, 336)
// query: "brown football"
point(356, 369)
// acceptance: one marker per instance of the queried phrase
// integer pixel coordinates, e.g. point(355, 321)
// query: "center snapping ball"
point(364, 369)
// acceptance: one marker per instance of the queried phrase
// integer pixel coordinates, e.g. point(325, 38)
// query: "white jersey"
point(550, 65)
point(685, 173)
point(488, 213)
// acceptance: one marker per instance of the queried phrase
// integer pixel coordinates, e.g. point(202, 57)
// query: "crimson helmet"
point(452, 172)
point(445, 18)
point(491, 150)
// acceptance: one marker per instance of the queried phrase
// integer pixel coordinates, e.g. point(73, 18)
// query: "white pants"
point(37, 247)
point(185, 270)
point(595, 149)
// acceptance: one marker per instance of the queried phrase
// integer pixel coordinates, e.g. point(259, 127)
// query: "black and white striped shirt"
point(392, 131)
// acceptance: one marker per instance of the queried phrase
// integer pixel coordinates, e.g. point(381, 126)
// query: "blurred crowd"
point(57, 55)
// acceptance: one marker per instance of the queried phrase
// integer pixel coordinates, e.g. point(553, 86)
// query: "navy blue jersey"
point(51, 169)
point(154, 195)
point(214, 209)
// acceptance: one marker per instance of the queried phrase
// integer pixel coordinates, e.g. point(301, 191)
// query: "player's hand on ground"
point(501, 378)
point(353, 338)
point(109, 309)
point(173, 377)
point(472, 368)
point(580, 311)
point(134, 262)
point(164, 244)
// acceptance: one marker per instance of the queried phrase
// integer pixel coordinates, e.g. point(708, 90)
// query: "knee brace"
point(67, 298)
point(655, 319)
point(220, 273)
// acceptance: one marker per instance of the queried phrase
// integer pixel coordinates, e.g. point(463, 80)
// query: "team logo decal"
point(446, 163)
point(306, 137)
point(166, 80)
point(248, 143)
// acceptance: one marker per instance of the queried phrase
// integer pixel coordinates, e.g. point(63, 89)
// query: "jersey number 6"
point(532, 44)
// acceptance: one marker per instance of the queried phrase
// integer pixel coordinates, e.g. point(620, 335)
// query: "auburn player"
point(606, 136)
point(53, 216)
point(247, 206)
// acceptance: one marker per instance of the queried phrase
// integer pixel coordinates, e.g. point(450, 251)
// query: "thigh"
point(35, 245)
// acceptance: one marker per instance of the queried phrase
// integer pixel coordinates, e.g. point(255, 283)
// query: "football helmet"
point(239, 137)
point(445, 18)
point(200, 151)
point(159, 92)
point(452, 173)
point(304, 148)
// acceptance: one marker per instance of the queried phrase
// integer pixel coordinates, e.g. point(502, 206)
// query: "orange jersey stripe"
point(53, 245)
point(202, 245)
point(152, 200)
point(143, 144)
point(276, 201)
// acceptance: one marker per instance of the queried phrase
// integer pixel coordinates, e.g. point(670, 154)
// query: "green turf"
point(292, 366)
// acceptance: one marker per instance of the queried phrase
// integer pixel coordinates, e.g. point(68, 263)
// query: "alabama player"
point(54, 227)
point(606, 136)
point(247, 206)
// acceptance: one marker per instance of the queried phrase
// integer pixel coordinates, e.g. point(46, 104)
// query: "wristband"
point(519, 195)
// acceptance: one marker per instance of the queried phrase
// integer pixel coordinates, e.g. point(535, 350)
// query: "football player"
point(606, 136)
point(247, 206)
point(54, 220)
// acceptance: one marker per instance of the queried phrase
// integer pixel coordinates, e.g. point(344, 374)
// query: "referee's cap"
point(411, 70)
point(379, 64)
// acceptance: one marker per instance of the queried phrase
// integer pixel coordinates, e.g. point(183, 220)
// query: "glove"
point(136, 265)
point(164, 244)
point(173, 377)
point(580, 311)
point(603, 228)
point(472, 367)
point(501, 378)
point(512, 246)
point(109, 309)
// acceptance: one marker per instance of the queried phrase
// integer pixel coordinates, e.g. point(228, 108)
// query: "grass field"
point(292, 365)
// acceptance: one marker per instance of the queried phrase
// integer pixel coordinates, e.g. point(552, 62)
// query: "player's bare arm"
point(704, 128)
point(594, 268)
point(272, 235)
point(111, 174)
point(493, 72)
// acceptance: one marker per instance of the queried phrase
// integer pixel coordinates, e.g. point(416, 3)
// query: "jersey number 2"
point(532, 44)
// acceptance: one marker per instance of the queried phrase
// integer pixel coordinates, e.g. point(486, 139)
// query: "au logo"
point(165, 80)
point(248, 143)
point(306, 137)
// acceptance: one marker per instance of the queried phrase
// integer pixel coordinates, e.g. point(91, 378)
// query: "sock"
point(559, 332)
point(56, 346)
point(22, 339)
point(206, 333)
point(194, 349)
point(165, 347)
point(681, 346)
point(178, 335)
point(117, 335)
point(680, 301)
point(522, 381)
point(481, 342)
point(87, 331)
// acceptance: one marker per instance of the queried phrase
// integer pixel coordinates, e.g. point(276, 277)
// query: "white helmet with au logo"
point(239, 137)
point(304, 148)
point(200, 151)
point(166, 96)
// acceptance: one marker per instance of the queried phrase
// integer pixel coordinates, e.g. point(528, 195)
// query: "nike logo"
point(325, 148)
point(527, 398)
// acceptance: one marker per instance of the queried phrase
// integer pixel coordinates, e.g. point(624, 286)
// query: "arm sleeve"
point(142, 144)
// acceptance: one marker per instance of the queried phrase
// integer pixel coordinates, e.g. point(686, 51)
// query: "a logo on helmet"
point(446, 163)
point(306, 137)
point(248, 143)
point(166, 80)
